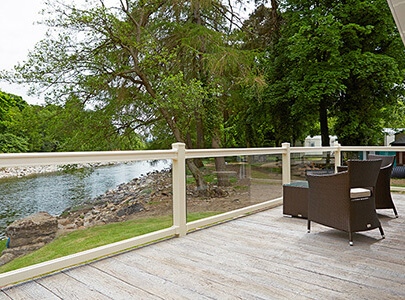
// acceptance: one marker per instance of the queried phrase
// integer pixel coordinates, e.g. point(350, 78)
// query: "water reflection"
point(20, 197)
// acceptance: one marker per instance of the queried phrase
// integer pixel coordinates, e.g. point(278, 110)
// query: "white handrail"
point(373, 148)
point(60, 158)
point(313, 149)
point(201, 153)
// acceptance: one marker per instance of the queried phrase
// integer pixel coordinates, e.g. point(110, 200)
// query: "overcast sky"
point(18, 34)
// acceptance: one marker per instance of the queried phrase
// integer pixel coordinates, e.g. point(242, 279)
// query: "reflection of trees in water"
point(76, 170)
point(153, 163)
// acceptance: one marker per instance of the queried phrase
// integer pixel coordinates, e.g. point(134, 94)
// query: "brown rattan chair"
point(383, 199)
point(330, 202)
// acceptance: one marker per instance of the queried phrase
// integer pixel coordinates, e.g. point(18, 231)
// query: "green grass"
point(3, 245)
point(241, 187)
point(208, 178)
point(93, 237)
point(259, 175)
point(233, 180)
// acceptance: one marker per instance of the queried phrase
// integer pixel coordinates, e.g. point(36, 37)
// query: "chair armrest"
point(342, 168)
point(359, 193)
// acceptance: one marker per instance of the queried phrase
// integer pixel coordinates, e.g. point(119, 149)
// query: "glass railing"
point(235, 182)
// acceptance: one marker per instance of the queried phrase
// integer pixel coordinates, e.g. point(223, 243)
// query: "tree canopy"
point(195, 72)
point(341, 60)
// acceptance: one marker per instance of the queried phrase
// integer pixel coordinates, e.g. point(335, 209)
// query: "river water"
point(54, 192)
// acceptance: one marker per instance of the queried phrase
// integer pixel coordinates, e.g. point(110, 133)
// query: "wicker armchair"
point(329, 201)
point(383, 199)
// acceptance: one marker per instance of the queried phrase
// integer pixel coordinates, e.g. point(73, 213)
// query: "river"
point(54, 192)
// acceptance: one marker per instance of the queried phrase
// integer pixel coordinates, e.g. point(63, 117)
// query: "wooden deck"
point(262, 256)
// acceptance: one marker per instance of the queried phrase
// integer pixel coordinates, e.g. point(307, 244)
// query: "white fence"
point(178, 154)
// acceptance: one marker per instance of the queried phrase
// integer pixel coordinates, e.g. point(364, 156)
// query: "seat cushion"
point(359, 193)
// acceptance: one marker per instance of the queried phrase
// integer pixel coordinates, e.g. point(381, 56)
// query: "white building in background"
point(389, 135)
point(316, 141)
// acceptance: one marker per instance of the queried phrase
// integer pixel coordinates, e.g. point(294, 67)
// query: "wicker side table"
point(295, 199)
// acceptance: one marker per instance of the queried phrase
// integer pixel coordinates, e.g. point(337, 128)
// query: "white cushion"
point(359, 193)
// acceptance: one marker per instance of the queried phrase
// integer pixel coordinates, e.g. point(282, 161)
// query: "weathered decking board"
point(262, 256)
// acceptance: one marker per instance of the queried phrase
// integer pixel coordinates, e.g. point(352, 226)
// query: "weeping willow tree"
point(156, 62)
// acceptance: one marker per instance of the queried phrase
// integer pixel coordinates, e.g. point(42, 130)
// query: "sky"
point(19, 32)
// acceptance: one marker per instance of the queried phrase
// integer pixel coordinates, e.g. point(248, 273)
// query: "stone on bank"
point(29, 234)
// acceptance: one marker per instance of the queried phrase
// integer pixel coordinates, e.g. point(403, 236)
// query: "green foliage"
point(9, 143)
point(141, 63)
point(67, 128)
point(10, 109)
point(10, 105)
point(340, 59)
point(146, 62)
point(34, 123)
point(81, 129)
point(180, 71)
point(396, 115)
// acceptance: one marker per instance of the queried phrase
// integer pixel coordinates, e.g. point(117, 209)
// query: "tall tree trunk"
point(200, 134)
point(323, 119)
point(200, 138)
point(199, 179)
point(275, 16)
point(198, 176)
point(222, 175)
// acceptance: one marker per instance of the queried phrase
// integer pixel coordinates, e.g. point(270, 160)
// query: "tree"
point(271, 113)
point(71, 127)
point(336, 58)
point(148, 60)
point(9, 143)
point(7, 103)
point(250, 120)
point(10, 107)
point(376, 56)
point(34, 123)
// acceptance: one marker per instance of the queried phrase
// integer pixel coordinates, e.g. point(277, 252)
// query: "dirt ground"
point(249, 186)
point(398, 181)
point(254, 192)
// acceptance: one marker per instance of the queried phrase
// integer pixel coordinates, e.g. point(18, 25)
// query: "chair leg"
point(395, 212)
point(309, 226)
point(350, 239)
point(382, 232)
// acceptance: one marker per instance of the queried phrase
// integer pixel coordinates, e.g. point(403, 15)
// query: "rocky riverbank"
point(119, 203)
point(145, 196)
point(26, 171)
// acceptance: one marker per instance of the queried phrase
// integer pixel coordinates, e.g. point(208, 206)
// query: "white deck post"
point(179, 190)
point(286, 163)
point(338, 156)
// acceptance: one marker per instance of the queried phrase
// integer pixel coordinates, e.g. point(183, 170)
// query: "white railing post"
point(179, 190)
point(286, 171)
point(338, 156)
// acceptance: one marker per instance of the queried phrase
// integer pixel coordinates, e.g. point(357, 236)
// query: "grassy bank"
point(81, 240)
